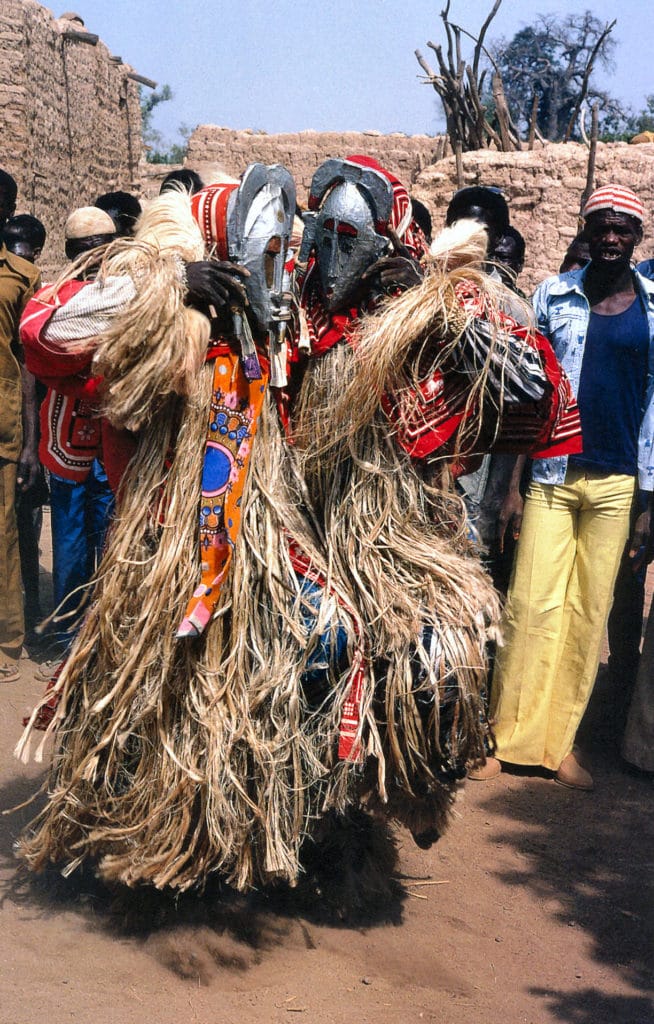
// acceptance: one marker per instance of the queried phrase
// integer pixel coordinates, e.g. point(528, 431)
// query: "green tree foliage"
point(150, 100)
point(158, 150)
point(644, 121)
point(625, 129)
point(548, 59)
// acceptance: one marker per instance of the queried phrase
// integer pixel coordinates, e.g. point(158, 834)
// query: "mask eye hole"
point(273, 249)
point(347, 235)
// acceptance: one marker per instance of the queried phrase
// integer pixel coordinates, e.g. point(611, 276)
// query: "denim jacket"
point(563, 313)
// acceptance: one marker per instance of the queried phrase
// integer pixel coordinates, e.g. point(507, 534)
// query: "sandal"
point(573, 775)
point(47, 670)
point(9, 672)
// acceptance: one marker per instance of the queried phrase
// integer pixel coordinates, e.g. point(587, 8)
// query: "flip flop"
point(9, 672)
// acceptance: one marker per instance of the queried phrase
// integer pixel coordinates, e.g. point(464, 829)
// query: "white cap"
point(88, 221)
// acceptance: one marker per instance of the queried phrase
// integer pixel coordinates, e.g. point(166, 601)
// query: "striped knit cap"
point(616, 198)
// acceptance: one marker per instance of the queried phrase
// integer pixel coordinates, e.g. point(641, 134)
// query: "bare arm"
point(513, 504)
point(640, 545)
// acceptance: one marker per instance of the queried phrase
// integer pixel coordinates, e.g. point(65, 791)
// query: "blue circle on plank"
point(218, 462)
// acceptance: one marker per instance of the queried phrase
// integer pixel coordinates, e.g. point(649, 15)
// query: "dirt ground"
point(536, 907)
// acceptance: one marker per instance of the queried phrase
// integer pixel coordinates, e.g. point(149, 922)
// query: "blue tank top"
point(612, 390)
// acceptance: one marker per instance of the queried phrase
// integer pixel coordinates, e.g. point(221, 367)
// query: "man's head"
point(186, 178)
point(422, 217)
point(123, 209)
point(24, 235)
point(613, 226)
point(482, 203)
point(8, 194)
point(576, 255)
point(86, 229)
point(509, 252)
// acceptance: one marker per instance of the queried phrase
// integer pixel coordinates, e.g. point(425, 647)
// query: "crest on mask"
point(349, 209)
point(250, 223)
point(259, 224)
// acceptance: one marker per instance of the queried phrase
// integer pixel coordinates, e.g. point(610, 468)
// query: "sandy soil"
point(536, 907)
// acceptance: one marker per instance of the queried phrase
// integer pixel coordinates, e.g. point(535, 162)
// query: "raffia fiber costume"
point(344, 660)
point(389, 399)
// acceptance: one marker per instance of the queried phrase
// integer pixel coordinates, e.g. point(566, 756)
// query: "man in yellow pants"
point(600, 321)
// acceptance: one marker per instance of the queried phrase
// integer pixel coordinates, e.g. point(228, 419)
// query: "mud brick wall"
point(212, 149)
point(543, 188)
point(69, 115)
point(71, 128)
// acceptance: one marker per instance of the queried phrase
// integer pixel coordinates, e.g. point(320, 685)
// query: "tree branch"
point(482, 32)
point(590, 172)
point(608, 28)
point(533, 121)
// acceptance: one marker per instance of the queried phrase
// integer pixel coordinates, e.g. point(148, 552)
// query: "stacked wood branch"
point(460, 86)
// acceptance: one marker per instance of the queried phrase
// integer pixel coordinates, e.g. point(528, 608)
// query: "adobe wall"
point(69, 116)
point(543, 188)
point(71, 128)
point(211, 148)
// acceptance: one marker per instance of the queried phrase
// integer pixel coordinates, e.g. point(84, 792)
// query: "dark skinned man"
point(600, 321)
point(18, 434)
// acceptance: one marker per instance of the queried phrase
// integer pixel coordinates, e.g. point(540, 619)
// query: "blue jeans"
point(329, 659)
point(80, 514)
point(329, 656)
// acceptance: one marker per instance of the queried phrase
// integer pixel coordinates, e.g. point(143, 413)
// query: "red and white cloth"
point(52, 331)
point(616, 198)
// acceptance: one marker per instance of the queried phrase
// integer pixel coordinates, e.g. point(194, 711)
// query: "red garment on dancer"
point(425, 420)
point(69, 374)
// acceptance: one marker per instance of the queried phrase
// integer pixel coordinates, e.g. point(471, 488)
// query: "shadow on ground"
point(195, 932)
point(587, 1006)
point(591, 856)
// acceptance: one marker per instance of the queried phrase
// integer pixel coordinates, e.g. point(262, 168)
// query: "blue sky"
point(289, 65)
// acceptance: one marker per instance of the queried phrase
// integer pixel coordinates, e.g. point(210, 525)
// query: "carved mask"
point(259, 224)
point(352, 204)
point(346, 244)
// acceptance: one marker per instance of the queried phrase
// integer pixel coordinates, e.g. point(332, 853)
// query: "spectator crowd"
point(565, 538)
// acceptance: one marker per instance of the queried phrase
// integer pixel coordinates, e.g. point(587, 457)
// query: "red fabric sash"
point(70, 436)
point(325, 329)
point(427, 417)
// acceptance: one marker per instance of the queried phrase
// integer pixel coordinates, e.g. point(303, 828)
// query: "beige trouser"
point(12, 626)
point(558, 604)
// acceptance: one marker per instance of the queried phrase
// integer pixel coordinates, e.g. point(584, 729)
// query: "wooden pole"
point(502, 113)
point(590, 171)
point(533, 121)
point(459, 163)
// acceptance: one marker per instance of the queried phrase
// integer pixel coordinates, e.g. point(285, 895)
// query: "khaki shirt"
point(19, 279)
